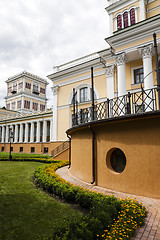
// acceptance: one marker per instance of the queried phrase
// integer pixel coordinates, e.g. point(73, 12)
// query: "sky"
point(36, 35)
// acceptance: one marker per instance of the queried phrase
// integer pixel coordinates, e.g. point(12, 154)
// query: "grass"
point(26, 212)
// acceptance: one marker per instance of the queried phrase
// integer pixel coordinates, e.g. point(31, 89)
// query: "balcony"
point(129, 104)
point(14, 90)
point(35, 90)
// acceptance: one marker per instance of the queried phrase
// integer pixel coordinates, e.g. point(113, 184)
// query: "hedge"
point(107, 218)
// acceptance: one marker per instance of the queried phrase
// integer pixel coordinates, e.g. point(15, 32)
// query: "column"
point(121, 60)
point(16, 134)
point(44, 130)
point(55, 98)
point(23, 85)
point(110, 87)
point(142, 10)
point(38, 132)
point(146, 53)
point(21, 133)
point(110, 81)
point(51, 132)
point(3, 133)
point(22, 103)
point(7, 134)
point(32, 132)
point(26, 133)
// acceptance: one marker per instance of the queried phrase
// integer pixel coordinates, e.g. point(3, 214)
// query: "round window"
point(118, 160)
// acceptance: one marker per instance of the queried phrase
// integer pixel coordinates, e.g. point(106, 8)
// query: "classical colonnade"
point(146, 53)
point(27, 132)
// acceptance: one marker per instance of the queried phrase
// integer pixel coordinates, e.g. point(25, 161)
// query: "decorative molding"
point(110, 71)
point(146, 51)
point(55, 90)
point(121, 59)
point(139, 32)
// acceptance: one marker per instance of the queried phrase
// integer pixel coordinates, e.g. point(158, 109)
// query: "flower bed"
point(107, 218)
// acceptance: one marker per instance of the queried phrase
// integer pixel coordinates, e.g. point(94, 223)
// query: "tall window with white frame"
point(138, 76)
point(84, 94)
point(125, 19)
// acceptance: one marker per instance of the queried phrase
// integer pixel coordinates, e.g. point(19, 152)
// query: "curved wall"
point(138, 138)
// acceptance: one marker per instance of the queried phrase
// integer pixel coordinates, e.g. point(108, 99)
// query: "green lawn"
point(26, 212)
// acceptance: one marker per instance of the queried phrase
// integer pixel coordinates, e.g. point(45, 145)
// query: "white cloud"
point(37, 35)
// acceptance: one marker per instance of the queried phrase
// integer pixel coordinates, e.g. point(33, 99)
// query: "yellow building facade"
point(126, 66)
point(114, 140)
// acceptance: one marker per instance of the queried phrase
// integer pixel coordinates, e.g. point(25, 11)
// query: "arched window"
point(84, 94)
point(125, 19)
point(119, 22)
point(132, 16)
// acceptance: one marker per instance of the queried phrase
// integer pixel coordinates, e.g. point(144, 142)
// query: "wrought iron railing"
point(131, 103)
point(60, 148)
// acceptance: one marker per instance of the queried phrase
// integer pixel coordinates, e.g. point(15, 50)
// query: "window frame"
point(83, 94)
point(132, 73)
point(129, 18)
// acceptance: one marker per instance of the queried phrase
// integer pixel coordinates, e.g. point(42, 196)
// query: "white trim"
point(26, 94)
point(132, 73)
point(139, 31)
point(77, 89)
point(119, 5)
point(129, 18)
point(79, 79)
point(153, 9)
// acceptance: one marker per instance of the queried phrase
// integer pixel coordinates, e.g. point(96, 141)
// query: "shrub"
point(108, 217)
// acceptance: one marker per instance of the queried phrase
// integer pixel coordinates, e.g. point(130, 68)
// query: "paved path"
point(151, 229)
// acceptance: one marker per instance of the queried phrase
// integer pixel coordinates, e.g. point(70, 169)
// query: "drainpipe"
point(157, 67)
point(93, 155)
point(92, 83)
point(69, 150)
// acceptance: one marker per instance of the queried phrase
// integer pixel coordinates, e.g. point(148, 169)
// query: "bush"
point(108, 217)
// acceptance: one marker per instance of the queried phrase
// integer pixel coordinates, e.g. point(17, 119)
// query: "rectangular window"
point(26, 104)
point(19, 104)
point(83, 94)
point(21, 149)
point(42, 107)
point(8, 106)
point(139, 108)
point(138, 76)
point(11, 149)
point(45, 149)
point(13, 105)
point(20, 85)
point(28, 85)
point(32, 149)
point(35, 106)
point(2, 149)
point(42, 90)
point(9, 90)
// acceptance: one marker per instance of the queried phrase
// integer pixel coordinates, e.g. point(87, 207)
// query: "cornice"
point(118, 5)
point(137, 32)
point(28, 117)
point(75, 69)
point(24, 94)
point(79, 79)
point(28, 75)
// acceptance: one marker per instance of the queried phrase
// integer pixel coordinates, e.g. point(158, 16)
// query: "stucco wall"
point(39, 147)
point(137, 138)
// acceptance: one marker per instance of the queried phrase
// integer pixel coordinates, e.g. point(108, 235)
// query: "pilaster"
point(55, 120)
